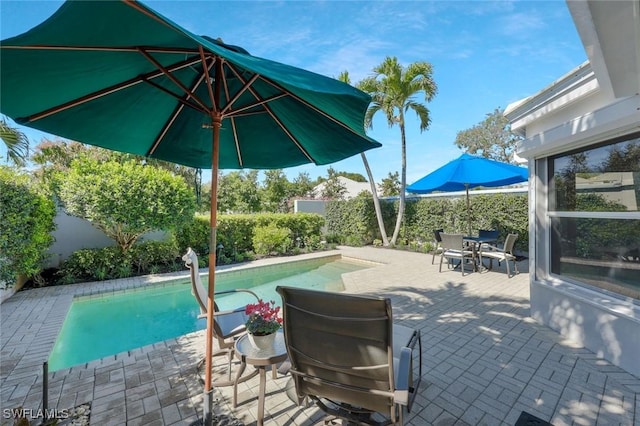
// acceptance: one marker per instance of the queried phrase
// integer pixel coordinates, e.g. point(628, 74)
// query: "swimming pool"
point(96, 327)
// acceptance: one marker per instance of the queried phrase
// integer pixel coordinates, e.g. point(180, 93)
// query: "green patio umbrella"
point(116, 74)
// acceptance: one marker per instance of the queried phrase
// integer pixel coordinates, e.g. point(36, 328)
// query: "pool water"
point(96, 327)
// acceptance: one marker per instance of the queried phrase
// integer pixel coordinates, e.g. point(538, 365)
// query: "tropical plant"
point(344, 77)
point(393, 89)
point(16, 142)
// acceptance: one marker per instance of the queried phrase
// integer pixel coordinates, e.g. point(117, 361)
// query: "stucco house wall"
point(597, 102)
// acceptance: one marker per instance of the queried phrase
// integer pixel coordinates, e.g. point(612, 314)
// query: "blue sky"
point(485, 55)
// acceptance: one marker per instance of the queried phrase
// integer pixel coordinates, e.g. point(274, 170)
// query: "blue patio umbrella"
point(469, 171)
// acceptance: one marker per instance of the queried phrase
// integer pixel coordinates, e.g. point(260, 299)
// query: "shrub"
point(313, 242)
point(125, 200)
point(25, 227)
point(271, 238)
point(112, 262)
point(91, 265)
point(235, 232)
point(146, 254)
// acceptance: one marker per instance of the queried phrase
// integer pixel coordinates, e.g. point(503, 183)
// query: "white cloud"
point(521, 24)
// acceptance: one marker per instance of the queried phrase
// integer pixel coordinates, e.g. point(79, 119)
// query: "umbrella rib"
point(107, 91)
point(240, 111)
point(175, 114)
point(176, 96)
point(245, 87)
point(264, 103)
point(246, 114)
point(239, 93)
point(234, 129)
point(286, 130)
point(170, 76)
point(206, 73)
point(299, 99)
point(236, 141)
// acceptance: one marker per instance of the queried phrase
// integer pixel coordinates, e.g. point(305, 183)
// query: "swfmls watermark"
point(31, 414)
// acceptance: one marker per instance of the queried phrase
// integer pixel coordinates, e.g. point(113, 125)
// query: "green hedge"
point(236, 232)
point(26, 223)
point(354, 222)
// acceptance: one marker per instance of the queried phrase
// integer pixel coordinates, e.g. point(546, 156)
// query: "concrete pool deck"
point(484, 359)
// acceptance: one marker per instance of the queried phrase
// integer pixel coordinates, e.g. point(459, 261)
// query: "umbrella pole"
point(213, 218)
point(468, 210)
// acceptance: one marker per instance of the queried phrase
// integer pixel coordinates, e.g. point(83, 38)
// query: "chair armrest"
point(222, 313)
point(403, 378)
point(407, 384)
point(237, 290)
point(239, 309)
point(230, 311)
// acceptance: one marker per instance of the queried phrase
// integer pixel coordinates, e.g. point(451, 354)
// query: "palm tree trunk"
point(403, 183)
point(376, 201)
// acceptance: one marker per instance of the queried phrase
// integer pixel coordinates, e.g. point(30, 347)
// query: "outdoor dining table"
point(476, 244)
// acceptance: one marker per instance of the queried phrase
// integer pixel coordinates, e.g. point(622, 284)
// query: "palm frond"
point(16, 142)
point(421, 111)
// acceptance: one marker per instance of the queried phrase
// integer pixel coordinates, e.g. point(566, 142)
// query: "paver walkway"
point(485, 360)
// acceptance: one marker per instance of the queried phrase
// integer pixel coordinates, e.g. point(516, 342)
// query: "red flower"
point(263, 317)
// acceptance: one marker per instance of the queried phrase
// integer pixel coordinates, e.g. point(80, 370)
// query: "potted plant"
point(264, 321)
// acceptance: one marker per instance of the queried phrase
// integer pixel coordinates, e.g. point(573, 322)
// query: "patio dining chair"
point(453, 247)
point(488, 234)
point(502, 254)
point(228, 325)
point(438, 244)
point(363, 370)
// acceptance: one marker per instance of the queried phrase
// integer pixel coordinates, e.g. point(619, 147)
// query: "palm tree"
point(344, 77)
point(16, 142)
point(393, 90)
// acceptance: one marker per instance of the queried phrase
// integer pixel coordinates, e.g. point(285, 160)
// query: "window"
point(594, 210)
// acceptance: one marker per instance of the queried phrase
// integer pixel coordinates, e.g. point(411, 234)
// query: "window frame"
point(545, 168)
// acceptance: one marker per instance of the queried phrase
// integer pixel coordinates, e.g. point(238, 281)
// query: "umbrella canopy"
point(118, 75)
point(469, 171)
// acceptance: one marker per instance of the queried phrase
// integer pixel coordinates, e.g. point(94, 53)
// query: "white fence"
point(73, 233)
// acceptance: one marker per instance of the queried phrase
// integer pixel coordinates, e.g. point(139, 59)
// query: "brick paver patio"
point(485, 360)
